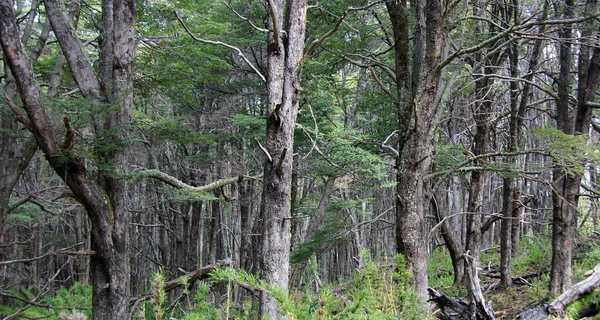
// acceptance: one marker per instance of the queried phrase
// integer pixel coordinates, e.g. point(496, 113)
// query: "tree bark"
point(566, 184)
point(103, 199)
point(287, 21)
point(417, 117)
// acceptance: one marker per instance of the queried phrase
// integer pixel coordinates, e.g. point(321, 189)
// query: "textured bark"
point(285, 50)
point(417, 117)
point(566, 185)
point(71, 47)
point(104, 203)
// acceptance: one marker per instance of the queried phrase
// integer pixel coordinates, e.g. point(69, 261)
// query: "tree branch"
point(386, 90)
point(47, 254)
point(228, 5)
point(220, 43)
point(194, 276)
point(176, 183)
point(385, 145)
point(18, 114)
point(320, 40)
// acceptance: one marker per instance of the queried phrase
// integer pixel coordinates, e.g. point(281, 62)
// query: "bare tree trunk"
point(287, 20)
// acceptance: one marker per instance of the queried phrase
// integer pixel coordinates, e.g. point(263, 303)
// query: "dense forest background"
point(297, 142)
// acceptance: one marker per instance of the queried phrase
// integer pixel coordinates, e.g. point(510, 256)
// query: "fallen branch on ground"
point(576, 292)
point(194, 276)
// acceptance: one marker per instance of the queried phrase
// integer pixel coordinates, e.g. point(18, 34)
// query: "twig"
point(47, 254)
point(228, 5)
point(384, 145)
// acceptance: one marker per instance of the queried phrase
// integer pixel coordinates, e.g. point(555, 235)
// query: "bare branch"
point(220, 43)
point(195, 275)
point(507, 31)
point(374, 63)
point(273, 15)
point(18, 114)
point(176, 183)
point(47, 254)
point(383, 144)
point(461, 167)
point(386, 90)
point(267, 154)
point(41, 292)
point(529, 82)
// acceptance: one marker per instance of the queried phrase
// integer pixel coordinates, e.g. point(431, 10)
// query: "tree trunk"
point(417, 117)
point(287, 22)
point(104, 202)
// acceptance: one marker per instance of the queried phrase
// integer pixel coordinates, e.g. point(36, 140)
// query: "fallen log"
point(576, 292)
point(194, 276)
point(444, 302)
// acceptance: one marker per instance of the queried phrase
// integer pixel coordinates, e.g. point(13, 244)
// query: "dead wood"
point(194, 276)
point(576, 292)
point(476, 309)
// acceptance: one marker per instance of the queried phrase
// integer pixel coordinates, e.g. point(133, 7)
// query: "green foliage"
point(158, 297)
point(439, 269)
point(25, 213)
point(534, 252)
point(375, 292)
point(202, 308)
point(344, 154)
point(448, 156)
point(570, 152)
point(77, 299)
point(323, 239)
point(176, 130)
point(248, 124)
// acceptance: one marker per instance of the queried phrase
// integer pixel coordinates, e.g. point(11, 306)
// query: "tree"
point(101, 193)
point(285, 48)
point(571, 121)
point(418, 104)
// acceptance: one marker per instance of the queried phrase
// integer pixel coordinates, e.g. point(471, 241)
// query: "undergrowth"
point(377, 291)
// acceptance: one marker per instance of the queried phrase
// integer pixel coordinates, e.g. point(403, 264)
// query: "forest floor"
point(531, 271)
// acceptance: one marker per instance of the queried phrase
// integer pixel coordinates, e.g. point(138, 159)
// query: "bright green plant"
point(592, 298)
point(440, 269)
point(203, 308)
point(77, 299)
point(159, 296)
